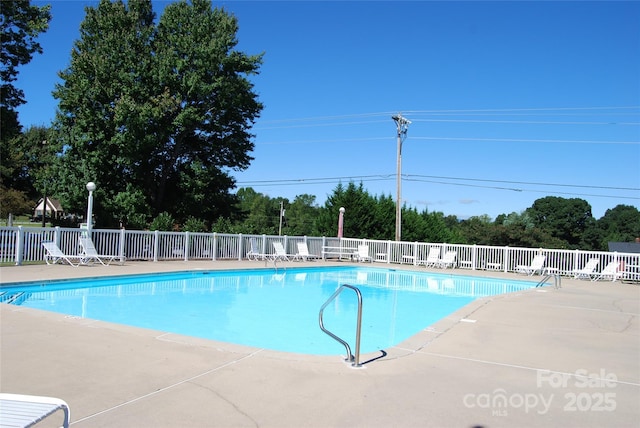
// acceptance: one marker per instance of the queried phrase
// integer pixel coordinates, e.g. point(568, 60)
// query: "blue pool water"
point(268, 309)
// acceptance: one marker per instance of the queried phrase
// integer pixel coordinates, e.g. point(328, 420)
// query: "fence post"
point(56, 235)
point(215, 245)
point(156, 243)
point(575, 264)
point(19, 254)
point(121, 245)
point(473, 257)
point(506, 259)
point(186, 246)
point(240, 246)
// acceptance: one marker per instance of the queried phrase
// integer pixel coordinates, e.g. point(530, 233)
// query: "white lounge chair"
point(254, 253)
point(18, 410)
point(362, 255)
point(536, 265)
point(611, 271)
point(449, 260)
point(303, 252)
point(53, 254)
point(280, 252)
point(91, 254)
point(588, 271)
point(433, 257)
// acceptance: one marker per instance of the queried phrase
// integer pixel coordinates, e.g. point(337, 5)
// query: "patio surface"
point(567, 357)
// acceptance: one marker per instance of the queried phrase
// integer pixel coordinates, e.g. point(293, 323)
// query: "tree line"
point(551, 222)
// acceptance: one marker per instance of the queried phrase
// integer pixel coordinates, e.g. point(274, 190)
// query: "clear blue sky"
point(509, 101)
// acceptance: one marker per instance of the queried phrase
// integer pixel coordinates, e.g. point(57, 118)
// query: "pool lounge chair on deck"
point(611, 271)
point(362, 255)
point(281, 253)
point(449, 260)
point(536, 265)
point(53, 255)
point(432, 258)
point(303, 253)
point(588, 271)
point(26, 410)
point(90, 254)
point(254, 253)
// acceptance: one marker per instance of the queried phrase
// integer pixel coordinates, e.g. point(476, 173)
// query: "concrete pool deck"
point(565, 357)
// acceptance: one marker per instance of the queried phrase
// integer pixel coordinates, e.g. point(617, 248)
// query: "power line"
point(536, 109)
point(525, 140)
point(500, 140)
point(472, 111)
point(501, 112)
point(514, 122)
point(528, 122)
point(414, 177)
point(409, 176)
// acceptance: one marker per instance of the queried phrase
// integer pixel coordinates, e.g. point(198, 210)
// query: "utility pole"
point(402, 125)
point(281, 217)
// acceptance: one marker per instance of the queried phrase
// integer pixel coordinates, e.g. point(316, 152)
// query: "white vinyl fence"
point(19, 245)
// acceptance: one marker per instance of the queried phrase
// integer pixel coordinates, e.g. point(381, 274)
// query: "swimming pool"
point(265, 308)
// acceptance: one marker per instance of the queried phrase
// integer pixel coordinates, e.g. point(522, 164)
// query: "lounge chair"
point(280, 252)
point(91, 254)
point(303, 252)
point(449, 260)
point(536, 265)
point(26, 410)
point(611, 271)
point(53, 255)
point(433, 257)
point(254, 253)
point(588, 271)
point(362, 255)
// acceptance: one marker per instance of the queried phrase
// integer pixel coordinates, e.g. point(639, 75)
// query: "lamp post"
point(44, 200)
point(402, 125)
point(341, 222)
point(91, 186)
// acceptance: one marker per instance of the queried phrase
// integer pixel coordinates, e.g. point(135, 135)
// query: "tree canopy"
point(157, 113)
point(21, 24)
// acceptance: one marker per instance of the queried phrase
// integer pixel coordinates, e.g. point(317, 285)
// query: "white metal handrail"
point(355, 361)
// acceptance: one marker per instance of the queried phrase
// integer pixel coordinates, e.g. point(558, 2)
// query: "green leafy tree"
point(193, 224)
point(384, 218)
point(26, 163)
point(13, 202)
point(301, 215)
point(359, 220)
point(163, 108)
point(163, 222)
point(564, 219)
point(130, 208)
point(619, 224)
point(413, 225)
point(21, 24)
point(477, 230)
point(436, 228)
point(260, 213)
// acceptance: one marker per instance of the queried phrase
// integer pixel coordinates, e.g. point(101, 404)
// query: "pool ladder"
point(355, 361)
point(557, 281)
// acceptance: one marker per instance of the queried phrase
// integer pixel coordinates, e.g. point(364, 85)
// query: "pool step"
point(17, 298)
